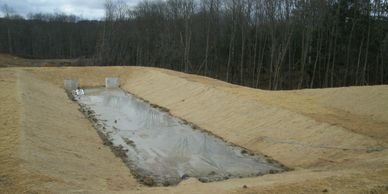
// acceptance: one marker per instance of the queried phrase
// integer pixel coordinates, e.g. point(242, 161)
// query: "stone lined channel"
point(162, 150)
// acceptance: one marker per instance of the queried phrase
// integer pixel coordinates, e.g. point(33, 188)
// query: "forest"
point(275, 45)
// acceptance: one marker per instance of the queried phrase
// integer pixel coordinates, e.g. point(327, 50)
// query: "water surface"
point(163, 150)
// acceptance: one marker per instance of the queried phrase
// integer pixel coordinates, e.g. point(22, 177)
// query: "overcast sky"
point(90, 9)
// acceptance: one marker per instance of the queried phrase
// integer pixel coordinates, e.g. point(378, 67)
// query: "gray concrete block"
point(112, 82)
point(71, 84)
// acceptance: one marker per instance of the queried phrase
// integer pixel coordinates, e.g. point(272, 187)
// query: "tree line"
point(277, 44)
point(47, 35)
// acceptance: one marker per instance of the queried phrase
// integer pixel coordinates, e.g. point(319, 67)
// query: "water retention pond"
point(162, 150)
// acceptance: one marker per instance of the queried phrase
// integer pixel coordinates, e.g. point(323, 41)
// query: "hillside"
point(334, 140)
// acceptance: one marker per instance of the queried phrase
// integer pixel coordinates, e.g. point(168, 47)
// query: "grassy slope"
point(318, 133)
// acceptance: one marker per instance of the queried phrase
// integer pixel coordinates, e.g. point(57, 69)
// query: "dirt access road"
point(335, 140)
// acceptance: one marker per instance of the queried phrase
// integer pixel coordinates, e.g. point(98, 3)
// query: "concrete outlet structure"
point(112, 82)
point(71, 85)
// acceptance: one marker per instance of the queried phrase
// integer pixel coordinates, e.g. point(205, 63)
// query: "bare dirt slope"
point(335, 140)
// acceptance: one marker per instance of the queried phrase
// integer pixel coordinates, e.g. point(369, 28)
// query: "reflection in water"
point(160, 147)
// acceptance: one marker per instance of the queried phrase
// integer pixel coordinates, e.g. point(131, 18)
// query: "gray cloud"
point(91, 9)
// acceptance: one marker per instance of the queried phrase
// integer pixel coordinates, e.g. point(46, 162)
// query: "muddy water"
point(162, 150)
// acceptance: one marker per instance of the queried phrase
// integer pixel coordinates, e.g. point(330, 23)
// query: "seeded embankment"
point(335, 140)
